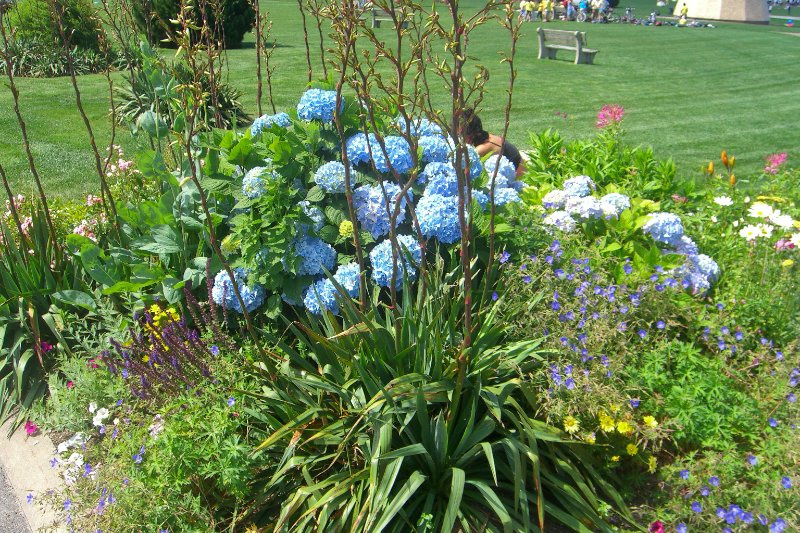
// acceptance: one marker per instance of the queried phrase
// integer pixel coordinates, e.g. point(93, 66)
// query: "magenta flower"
point(610, 115)
point(774, 162)
point(31, 428)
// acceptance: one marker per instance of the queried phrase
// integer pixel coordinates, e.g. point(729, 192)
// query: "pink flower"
point(46, 346)
point(93, 200)
point(656, 527)
point(30, 428)
point(26, 224)
point(610, 115)
point(774, 161)
point(70, 384)
point(784, 244)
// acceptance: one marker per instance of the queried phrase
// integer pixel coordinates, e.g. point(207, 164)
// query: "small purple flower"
point(214, 350)
point(67, 504)
point(779, 355)
point(720, 306)
point(681, 528)
point(555, 306)
point(87, 469)
point(634, 403)
point(526, 279)
point(752, 459)
point(786, 481)
point(29, 498)
point(772, 422)
point(684, 474)
point(53, 462)
point(569, 383)
point(713, 481)
point(720, 512)
point(504, 257)
point(791, 398)
point(627, 268)
point(764, 341)
point(231, 401)
point(660, 324)
point(738, 335)
point(762, 520)
point(654, 277)
point(549, 259)
point(724, 330)
point(642, 333)
point(721, 344)
point(777, 526)
point(704, 491)
point(697, 507)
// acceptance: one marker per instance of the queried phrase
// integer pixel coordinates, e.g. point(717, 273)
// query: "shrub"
point(34, 20)
point(237, 18)
point(35, 58)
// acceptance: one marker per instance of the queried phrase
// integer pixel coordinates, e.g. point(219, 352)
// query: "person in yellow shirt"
point(684, 11)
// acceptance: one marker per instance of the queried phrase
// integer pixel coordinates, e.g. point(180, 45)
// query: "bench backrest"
point(385, 15)
point(562, 37)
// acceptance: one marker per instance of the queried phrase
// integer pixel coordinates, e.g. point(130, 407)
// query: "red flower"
point(70, 384)
point(657, 527)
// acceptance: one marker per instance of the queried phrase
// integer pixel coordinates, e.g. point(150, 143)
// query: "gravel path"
point(11, 518)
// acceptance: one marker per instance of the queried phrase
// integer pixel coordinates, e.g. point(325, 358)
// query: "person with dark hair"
point(488, 143)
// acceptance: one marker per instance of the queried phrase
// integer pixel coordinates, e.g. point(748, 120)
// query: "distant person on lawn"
point(488, 143)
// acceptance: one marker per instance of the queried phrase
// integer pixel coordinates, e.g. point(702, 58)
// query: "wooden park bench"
point(551, 41)
point(380, 15)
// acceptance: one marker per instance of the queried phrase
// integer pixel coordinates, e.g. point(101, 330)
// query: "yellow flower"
point(571, 424)
point(732, 179)
point(591, 438)
point(346, 229)
point(650, 421)
point(614, 408)
point(624, 428)
point(710, 168)
point(787, 263)
point(154, 309)
point(615, 458)
point(651, 464)
point(606, 423)
point(146, 358)
point(631, 449)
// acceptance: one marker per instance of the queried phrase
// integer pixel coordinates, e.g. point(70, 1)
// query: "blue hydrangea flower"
point(579, 186)
point(420, 127)
point(616, 202)
point(265, 122)
point(665, 228)
point(348, 276)
point(481, 197)
point(315, 255)
point(358, 147)
point(316, 104)
point(321, 296)
point(438, 217)
point(507, 169)
point(584, 207)
point(475, 165)
point(224, 294)
point(381, 260)
point(399, 155)
point(441, 179)
point(686, 246)
point(253, 184)
point(330, 177)
point(505, 196)
point(700, 271)
point(314, 213)
point(560, 220)
point(434, 148)
point(555, 199)
point(370, 205)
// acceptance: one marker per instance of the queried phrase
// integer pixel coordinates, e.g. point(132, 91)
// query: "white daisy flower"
point(760, 210)
point(766, 230)
point(750, 232)
point(782, 221)
point(724, 201)
point(795, 239)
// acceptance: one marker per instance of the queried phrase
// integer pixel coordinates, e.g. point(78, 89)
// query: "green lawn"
point(688, 92)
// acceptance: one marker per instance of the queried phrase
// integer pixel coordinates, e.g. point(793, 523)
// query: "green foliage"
point(228, 20)
point(385, 423)
point(36, 58)
point(151, 101)
point(35, 22)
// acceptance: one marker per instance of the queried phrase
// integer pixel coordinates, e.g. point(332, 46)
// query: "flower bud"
point(710, 169)
point(724, 157)
point(733, 180)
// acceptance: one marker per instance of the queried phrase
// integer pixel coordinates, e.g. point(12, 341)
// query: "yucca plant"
point(373, 429)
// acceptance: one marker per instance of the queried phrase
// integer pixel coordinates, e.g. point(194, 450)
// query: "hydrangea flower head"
point(434, 148)
point(700, 270)
point(560, 220)
point(348, 276)
point(506, 168)
point(330, 177)
point(471, 156)
point(665, 228)
point(438, 217)
point(316, 104)
point(506, 195)
point(321, 296)
point(398, 152)
point(266, 122)
point(371, 210)
point(555, 199)
point(315, 214)
point(686, 246)
point(224, 294)
point(441, 179)
point(420, 127)
point(358, 147)
point(315, 256)
point(618, 203)
point(579, 186)
point(585, 207)
point(381, 260)
point(254, 184)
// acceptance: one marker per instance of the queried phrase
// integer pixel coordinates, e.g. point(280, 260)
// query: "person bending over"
point(488, 143)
